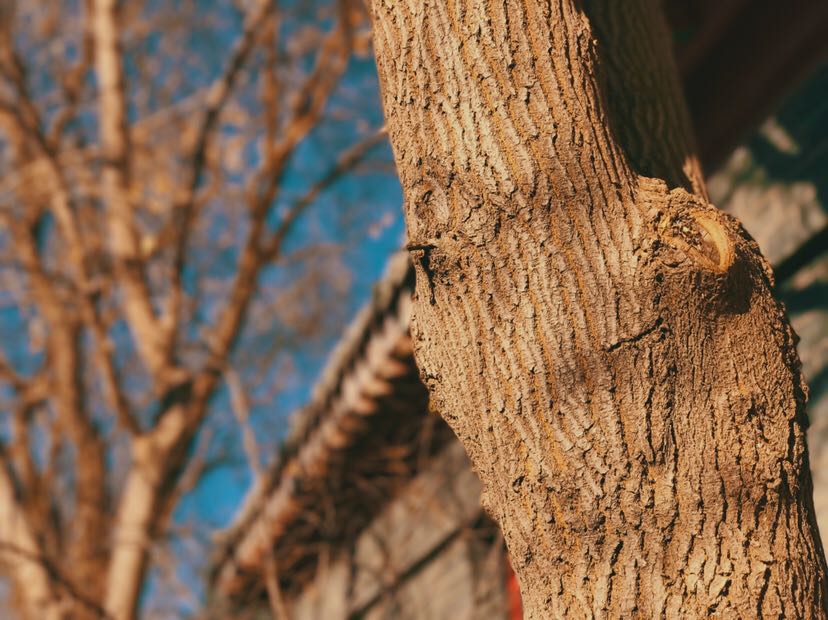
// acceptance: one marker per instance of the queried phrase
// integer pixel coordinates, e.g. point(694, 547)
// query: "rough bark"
point(603, 341)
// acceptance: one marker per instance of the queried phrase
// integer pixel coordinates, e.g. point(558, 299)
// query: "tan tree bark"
point(604, 342)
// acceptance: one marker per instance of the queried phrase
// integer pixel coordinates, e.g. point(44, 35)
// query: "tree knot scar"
point(701, 238)
point(696, 229)
point(429, 194)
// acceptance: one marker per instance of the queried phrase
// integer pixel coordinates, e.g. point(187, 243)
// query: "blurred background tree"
point(179, 215)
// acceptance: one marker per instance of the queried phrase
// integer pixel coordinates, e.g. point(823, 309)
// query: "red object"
point(513, 594)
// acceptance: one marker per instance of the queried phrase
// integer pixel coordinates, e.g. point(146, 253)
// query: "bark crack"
point(635, 338)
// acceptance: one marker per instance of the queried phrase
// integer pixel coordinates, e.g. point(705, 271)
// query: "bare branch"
point(65, 360)
point(61, 206)
point(347, 162)
point(241, 409)
point(56, 609)
point(184, 208)
point(147, 331)
point(318, 87)
point(20, 549)
point(74, 79)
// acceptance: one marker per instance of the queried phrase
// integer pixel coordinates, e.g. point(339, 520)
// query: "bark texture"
point(603, 341)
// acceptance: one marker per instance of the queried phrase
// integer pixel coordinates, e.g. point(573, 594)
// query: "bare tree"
point(142, 201)
point(604, 342)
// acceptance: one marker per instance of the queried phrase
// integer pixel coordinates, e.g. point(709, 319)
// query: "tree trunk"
point(604, 342)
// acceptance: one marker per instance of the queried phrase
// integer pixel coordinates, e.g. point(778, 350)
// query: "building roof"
point(365, 431)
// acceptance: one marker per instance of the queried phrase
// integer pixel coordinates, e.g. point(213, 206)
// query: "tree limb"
point(147, 331)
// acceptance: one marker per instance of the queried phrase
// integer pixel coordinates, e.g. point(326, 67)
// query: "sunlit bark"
point(604, 342)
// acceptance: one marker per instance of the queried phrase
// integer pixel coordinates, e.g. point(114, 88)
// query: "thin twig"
point(351, 158)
